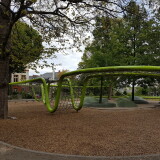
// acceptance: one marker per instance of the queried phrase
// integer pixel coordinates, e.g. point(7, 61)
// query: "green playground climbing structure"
point(66, 81)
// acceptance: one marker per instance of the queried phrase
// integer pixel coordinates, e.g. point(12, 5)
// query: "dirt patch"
point(88, 132)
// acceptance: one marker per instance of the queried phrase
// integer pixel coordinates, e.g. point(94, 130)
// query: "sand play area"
point(91, 131)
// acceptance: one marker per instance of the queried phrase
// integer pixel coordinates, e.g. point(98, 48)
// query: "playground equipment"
point(136, 71)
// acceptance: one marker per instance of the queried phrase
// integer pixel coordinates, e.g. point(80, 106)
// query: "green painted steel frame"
point(139, 71)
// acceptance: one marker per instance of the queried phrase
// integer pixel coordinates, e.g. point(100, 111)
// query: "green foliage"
point(131, 40)
point(142, 34)
point(26, 47)
point(125, 92)
point(138, 91)
point(105, 48)
point(27, 95)
point(141, 91)
point(118, 93)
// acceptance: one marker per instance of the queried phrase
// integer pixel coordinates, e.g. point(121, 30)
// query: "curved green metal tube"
point(114, 69)
point(45, 96)
point(142, 74)
point(99, 75)
point(105, 71)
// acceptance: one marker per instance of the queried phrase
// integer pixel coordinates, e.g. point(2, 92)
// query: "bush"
point(125, 92)
point(26, 95)
point(118, 93)
point(141, 91)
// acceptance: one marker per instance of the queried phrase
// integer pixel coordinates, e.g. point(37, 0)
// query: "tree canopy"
point(129, 40)
point(59, 18)
point(26, 47)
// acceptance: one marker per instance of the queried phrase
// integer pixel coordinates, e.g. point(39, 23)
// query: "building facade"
point(17, 77)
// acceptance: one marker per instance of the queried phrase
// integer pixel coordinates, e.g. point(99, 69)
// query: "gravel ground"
point(95, 132)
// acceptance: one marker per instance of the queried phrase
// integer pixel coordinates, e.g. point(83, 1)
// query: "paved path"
point(9, 152)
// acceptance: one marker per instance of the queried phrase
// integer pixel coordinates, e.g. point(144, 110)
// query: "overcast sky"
point(69, 62)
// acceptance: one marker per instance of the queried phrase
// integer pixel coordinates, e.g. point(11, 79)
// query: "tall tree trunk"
point(133, 84)
point(101, 91)
point(5, 30)
point(4, 89)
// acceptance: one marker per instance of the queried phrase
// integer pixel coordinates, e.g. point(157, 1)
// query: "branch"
point(71, 21)
point(53, 12)
point(107, 10)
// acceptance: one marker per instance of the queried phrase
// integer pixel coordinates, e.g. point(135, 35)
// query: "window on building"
point(23, 77)
point(15, 78)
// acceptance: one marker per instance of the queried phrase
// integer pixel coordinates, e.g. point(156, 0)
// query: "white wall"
point(20, 75)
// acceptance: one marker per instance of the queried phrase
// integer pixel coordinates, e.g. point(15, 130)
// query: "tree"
point(53, 18)
point(141, 31)
point(26, 47)
point(105, 48)
point(60, 73)
point(131, 40)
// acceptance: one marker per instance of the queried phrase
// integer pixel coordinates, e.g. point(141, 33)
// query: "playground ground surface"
point(90, 132)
